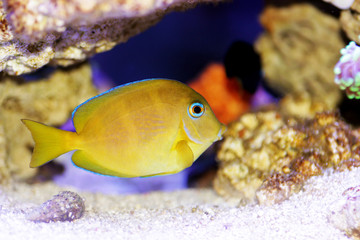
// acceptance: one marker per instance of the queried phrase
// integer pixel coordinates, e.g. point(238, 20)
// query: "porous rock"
point(36, 32)
point(296, 53)
point(49, 100)
point(266, 157)
point(350, 21)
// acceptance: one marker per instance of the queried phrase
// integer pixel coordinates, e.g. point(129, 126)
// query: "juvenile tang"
point(145, 128)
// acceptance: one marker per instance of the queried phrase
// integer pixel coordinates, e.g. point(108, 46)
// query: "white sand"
point(188, 214)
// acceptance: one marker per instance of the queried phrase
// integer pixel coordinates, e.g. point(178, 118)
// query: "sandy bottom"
point(187, 214)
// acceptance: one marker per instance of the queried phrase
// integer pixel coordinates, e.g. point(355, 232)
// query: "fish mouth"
point(222, 130)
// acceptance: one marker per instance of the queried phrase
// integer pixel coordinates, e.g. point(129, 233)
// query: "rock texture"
point(49, 100)
point(37, 32)
point(350, 21)
point(296, 53)
point(266, 157)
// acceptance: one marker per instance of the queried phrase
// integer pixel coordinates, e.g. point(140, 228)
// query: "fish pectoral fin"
point(184, 156)
point(83, 160)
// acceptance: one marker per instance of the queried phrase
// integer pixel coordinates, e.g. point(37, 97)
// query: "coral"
point(350, 23)
point(345, 212)
point(266, 157)
point(301, 105)
point(66, 206)
point(224, 95)
point(50, 100)
point(347, 71)
point(296, 53)
point(343, 4)
point(37, 32)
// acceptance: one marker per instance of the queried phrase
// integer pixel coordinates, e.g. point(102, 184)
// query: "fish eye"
point(196, 110)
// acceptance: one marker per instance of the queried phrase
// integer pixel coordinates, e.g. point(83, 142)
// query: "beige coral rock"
point(300, 105)
point(36, 32)
point(266, 157)
point(296, 53)
point(50, 100)
point(350, 21)
point(4, 169)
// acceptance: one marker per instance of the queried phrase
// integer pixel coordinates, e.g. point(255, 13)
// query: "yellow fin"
point(83, 160)
point(185, 156)
point(184, 159)
point(49, 142)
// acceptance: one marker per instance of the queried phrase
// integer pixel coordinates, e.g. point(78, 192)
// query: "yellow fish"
point(145, 128)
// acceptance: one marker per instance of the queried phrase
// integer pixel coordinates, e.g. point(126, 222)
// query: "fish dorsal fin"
point(84, 111)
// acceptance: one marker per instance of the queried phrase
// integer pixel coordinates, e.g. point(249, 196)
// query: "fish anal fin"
point(161, 174)
point(84, 160)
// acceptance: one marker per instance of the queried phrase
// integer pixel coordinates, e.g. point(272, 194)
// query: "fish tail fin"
point(50, 142)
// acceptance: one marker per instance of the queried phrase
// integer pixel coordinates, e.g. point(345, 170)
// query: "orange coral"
point(225, 95)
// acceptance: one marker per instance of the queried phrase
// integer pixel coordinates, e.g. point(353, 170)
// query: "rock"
point(37, 32)
point(266, 157)
point(296, 53)
point(50, 100)
point(350, 21)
